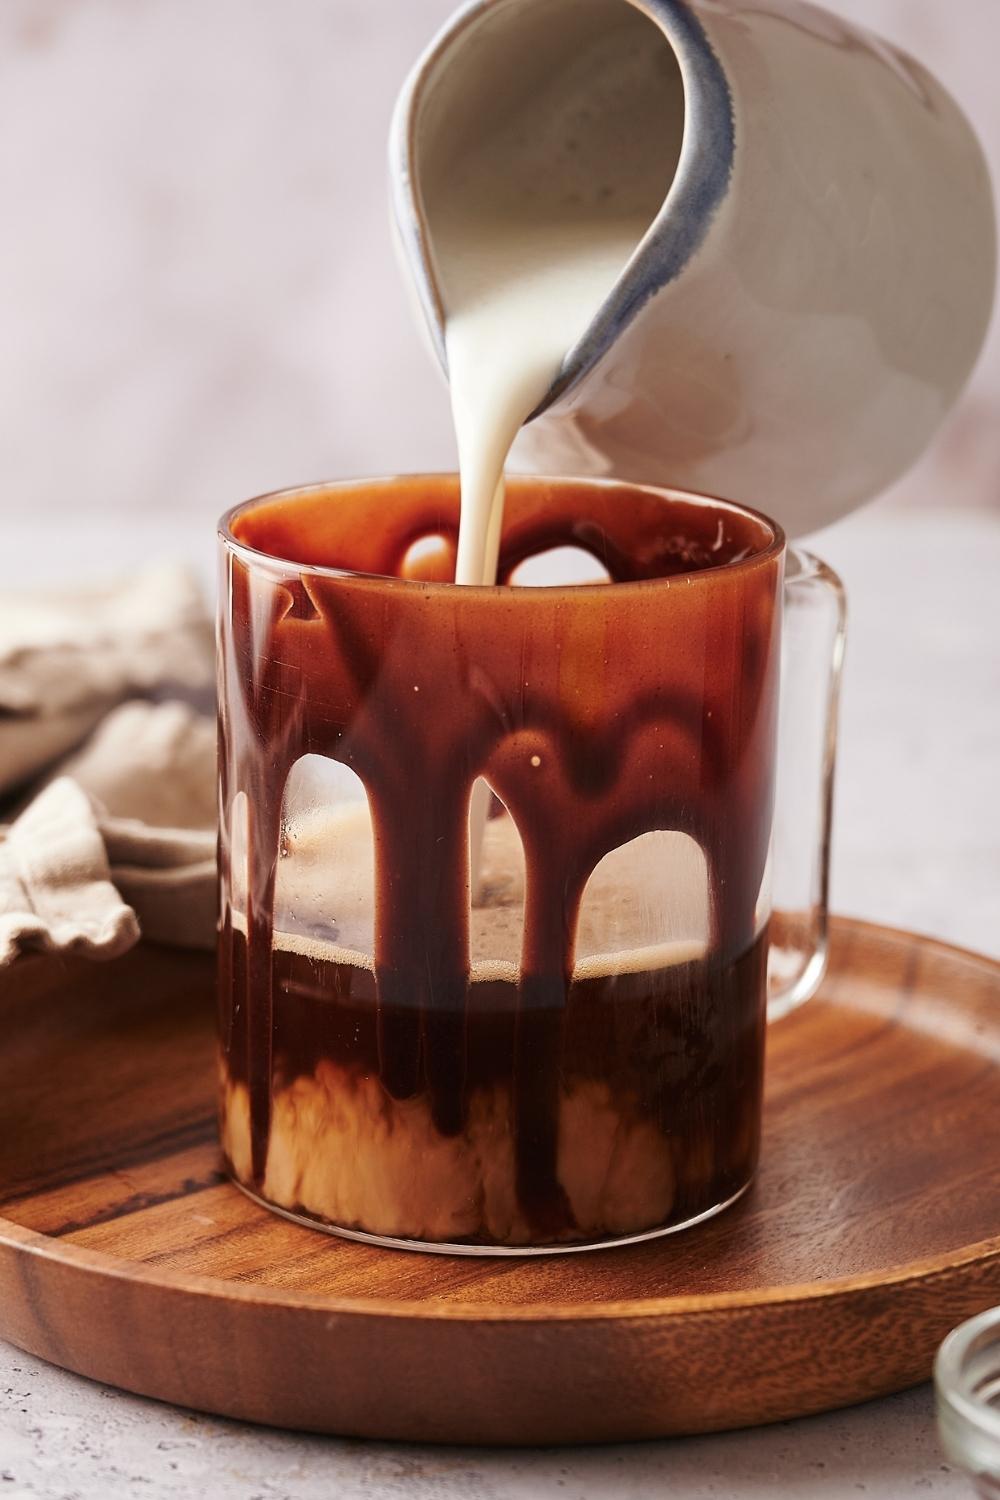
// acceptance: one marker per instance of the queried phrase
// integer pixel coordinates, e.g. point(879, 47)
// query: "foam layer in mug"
point(645, 907)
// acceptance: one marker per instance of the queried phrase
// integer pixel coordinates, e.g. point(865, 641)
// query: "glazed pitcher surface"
point(810, 298)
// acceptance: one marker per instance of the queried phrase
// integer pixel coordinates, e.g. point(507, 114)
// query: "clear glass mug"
point(502, 918)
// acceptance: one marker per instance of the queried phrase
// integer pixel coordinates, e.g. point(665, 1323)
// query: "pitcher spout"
point(657, 143)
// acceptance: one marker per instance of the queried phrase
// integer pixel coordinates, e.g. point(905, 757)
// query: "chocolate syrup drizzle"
point(596, 715)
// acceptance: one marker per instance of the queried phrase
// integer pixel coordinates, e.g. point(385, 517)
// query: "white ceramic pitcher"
point(814, 291)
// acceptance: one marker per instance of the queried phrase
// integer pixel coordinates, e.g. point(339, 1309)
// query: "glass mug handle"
point(813, 638)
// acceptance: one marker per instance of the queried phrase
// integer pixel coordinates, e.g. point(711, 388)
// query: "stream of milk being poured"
point(524, 297)
point(535, 204)
point(521, 302)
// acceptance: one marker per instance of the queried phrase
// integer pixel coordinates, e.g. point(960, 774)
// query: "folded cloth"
point(95, 856)
point(149, 770)
point(151, 763)
point(167, 876)
point(66, 658)
point(55, 883)
point(120, 836)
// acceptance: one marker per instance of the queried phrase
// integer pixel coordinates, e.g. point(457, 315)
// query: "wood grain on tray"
point(873, 1228)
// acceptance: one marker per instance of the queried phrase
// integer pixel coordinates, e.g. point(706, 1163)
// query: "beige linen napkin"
point(149, 770)
point(68, 657)
point(120, 837)
point(55, 884)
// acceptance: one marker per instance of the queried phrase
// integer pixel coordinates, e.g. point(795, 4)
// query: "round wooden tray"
point(874, 1227)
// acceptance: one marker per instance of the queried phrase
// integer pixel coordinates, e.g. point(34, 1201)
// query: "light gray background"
point(198, 299)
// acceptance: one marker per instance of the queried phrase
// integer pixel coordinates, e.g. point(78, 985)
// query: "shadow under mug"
point(505, 902)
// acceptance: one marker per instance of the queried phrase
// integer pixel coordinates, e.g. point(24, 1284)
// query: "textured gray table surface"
point(918, 845)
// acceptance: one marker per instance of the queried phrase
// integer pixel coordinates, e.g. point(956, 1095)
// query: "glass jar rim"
point(257, 556)
point(956, 1392)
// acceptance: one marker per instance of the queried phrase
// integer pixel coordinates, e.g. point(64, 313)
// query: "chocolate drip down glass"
point(542, 1030)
